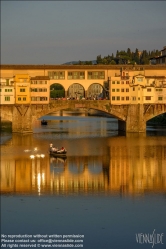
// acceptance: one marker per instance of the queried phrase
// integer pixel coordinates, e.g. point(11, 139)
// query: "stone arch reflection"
point(57, 165)
point(76, 91)
point(129, 169)
point(76, 165)
point(95, 166)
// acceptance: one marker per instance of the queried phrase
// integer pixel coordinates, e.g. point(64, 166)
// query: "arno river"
point(110, 190)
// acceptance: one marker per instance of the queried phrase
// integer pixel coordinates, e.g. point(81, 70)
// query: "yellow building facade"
point(121, 84)
point(7, 91)
point(22, 89)
point(39, 90)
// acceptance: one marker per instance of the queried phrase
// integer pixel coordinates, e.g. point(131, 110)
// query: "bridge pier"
point(135, 119)
point(22, 119)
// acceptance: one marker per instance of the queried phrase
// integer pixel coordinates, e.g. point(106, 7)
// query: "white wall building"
point(7, 91)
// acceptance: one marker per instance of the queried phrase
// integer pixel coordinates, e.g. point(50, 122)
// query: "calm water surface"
point(110, 187)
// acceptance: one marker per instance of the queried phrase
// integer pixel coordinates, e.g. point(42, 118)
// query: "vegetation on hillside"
point(124, 57)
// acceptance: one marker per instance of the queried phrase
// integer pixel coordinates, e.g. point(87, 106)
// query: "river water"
point(110, 190)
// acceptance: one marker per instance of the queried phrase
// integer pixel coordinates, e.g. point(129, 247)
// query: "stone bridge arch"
point(118, 111)
point(131, 118)
point(153, 110)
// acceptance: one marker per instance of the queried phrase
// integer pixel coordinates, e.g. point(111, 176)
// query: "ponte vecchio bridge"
point(131, 118)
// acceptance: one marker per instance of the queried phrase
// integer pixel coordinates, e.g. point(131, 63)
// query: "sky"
point(56, 32)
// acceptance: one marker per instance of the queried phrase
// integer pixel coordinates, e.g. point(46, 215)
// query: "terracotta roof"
point(76, 67)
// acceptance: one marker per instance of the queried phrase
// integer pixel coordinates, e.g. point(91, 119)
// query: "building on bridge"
point(134, 87)
point(159, 59)
point(22, 89)
point(40, 90)
point(121, 84)
point(7, 91)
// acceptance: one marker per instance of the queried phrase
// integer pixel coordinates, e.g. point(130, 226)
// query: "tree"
point(57, 91)
point(98, 59)
point(113, 62)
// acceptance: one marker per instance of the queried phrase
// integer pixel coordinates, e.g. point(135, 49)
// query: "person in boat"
point(63, 149)
point(54, 149)
point(51, 146)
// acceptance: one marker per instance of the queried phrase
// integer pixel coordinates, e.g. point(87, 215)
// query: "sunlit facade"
point(7, 91)
point(22, 89)
point(40, 90)
point(120, 84)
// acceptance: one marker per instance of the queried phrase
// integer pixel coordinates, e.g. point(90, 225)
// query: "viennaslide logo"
point(150, 238)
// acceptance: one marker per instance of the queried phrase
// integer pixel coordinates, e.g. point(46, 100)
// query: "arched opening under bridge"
point(157, 120)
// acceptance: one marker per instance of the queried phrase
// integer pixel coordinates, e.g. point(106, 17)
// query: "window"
point(148, 89)
point(8, 90)
point(160, 98)
point(133, 98)
point(7, 98)
point(19, 99)
point(122, 90)
point(118, 82)
point(22, 89)
point(133, 88)
point(113, 98)
point(118, 90)
point(140, 79)
point(24, 98)
point(113, 82)
point(127, 98)
point(122, 98)
point(148, 97)
point(56, 75)
point(96, 75)
point(76, 75)
point(118, 98)
point(122, 82)
point(113, 90)
point(127, 89)
point(127, 82)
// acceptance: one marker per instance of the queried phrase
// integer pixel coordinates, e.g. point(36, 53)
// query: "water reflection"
point(125, 170)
